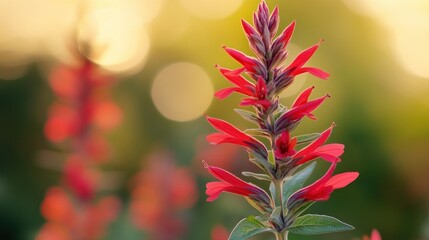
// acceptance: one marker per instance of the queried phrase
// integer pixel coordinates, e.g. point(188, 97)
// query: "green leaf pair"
point(310, 224)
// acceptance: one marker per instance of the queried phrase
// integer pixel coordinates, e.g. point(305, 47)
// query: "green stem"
point(279, 192)
point(281, 235)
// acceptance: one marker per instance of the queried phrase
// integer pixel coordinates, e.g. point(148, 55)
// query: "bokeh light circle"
point(208, 9)
point(182, 91)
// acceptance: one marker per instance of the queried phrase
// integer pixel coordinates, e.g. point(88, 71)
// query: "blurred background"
point(161, 54)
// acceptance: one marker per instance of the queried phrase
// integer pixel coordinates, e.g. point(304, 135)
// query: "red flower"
point(232, 184)
point(375, 235)
point(279, 45)
point(299, 109)
point(257, 93)
point(329, 152)
point(241, 84)
point(259, 96)
point(252, 65)
point(322, 188)
point(80, 178)
point(230, 134)
point(285, 146)
point(56, 206)
point(296, 67)
point(219, 232)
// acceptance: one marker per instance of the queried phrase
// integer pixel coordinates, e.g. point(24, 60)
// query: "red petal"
point(302, 58)
point(314, 71)
point(334, 149)
point(300, 111)
point(224, 93)
point(321, 194)
point(228, 177)
point(248, 62)
point(303, 97)
point(227, 128)
point(286, 35)
point(218, 138)
point(253, 102)
point(323, 180)
point(248, 29)
point(234, 76)
point(341, 180)
point(315, 144)
point(261, 89)
point(214, 189)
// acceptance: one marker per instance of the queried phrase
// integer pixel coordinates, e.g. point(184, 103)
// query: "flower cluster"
point(281, 158)
point(81, 113)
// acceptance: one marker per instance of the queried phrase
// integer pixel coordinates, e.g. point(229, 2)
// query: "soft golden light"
point(208, 9)
point(146, 10)
point(408, 23)
point(117, 37)
point(27, 26)
point(182, 92)
point(412, 51)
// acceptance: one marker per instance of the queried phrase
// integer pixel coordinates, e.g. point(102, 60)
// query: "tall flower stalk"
point(82, 112)
point(285, 160)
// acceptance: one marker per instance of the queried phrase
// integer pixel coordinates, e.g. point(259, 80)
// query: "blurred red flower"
point(159, 194)
point(375, 235)
point(219, 232)
point(66, 220)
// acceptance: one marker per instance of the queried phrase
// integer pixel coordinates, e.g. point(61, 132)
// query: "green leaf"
point(247, 115)
point(272, 189)
point(246, 228)
point(260, 176)
point(276, 218)
point(296, 182)
point(298, 211)
point(312, 224)
point(306, 138)
point(271, 158)
point(261, 162)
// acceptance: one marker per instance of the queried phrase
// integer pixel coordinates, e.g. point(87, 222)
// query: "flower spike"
point(260, 80)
